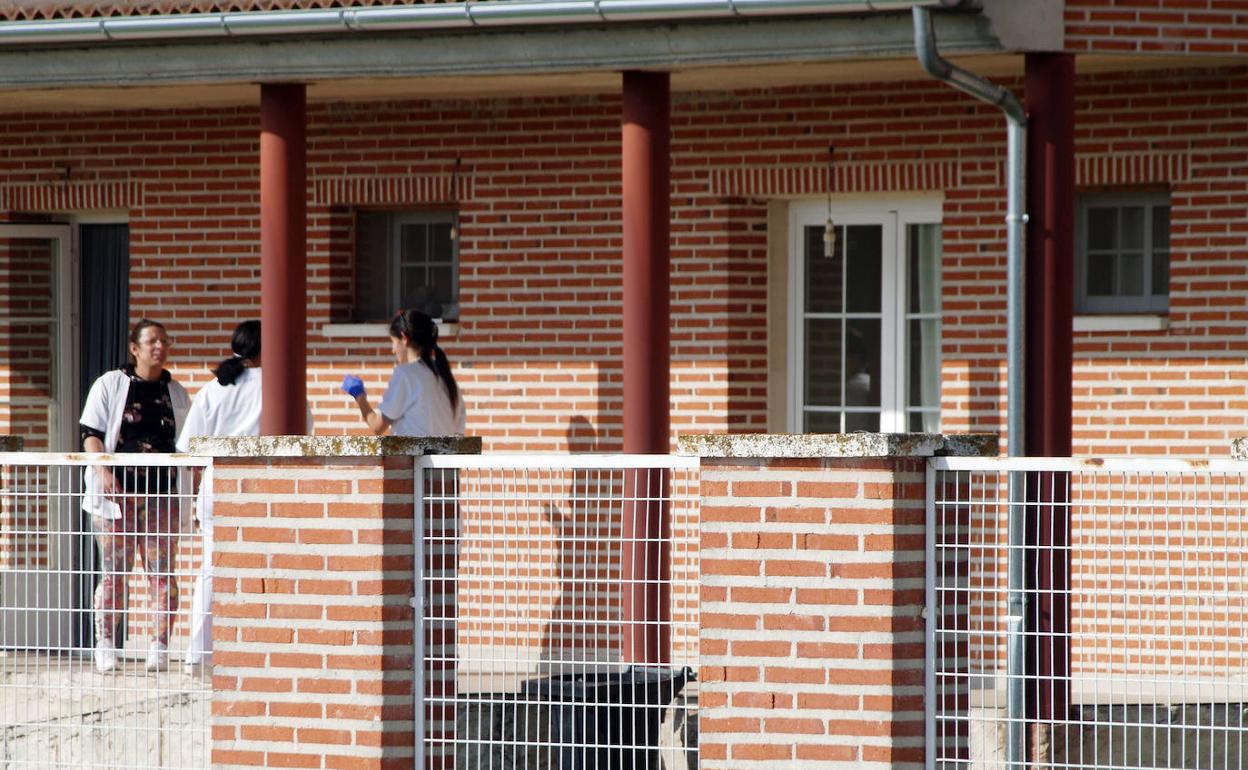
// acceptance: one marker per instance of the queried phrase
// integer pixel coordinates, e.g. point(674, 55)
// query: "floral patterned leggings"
point(149, 530)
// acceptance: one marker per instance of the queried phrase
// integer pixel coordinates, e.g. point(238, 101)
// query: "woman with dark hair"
point(137, 408)
point(229, 405)
point(422, 398)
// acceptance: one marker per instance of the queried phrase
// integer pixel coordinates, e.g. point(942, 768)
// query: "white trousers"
point(199, 647)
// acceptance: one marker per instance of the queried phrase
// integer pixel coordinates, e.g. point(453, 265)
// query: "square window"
point(1122, 253)
point(406, 259)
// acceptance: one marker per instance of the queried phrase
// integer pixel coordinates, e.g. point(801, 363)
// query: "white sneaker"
point(157, 657)
point(105, 656)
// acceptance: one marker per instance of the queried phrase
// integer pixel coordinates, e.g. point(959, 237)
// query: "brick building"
point(498, 149)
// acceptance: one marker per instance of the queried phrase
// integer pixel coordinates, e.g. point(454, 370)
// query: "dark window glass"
point(405, 260)
point(823, 362)
point(864, 246)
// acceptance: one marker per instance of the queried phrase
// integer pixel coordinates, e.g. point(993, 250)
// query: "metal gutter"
point(1016, 218)
point(423, 16)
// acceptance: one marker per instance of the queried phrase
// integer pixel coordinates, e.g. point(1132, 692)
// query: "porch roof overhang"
point(482, 62)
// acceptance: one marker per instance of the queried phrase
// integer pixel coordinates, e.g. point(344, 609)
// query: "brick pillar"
point(313, 623)
point(812, 635)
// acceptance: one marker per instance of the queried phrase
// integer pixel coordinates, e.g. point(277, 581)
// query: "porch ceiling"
point(688, 79)
point(713, 55)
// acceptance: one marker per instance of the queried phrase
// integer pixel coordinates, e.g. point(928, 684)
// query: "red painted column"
point(647, 211)
point(647, 353)
point(283, 258)
point(1050, 103)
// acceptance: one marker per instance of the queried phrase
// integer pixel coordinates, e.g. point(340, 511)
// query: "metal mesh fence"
point(1087, 614)
point(559, 616)
point(86, 601)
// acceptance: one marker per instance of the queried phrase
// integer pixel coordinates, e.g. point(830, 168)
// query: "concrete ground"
point(56, 710)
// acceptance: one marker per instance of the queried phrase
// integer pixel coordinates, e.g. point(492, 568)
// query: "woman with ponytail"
point(229, 405)
point(422, 398)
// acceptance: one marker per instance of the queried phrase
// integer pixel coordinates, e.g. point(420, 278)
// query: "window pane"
point(1131, 275)
point(864, 245)
point(1100, 275)
point(823, 362)
point(822, 422)
point(1161, 251)
point(923, 364)
point(862, 362)
point(415, 291)
point(1102, 228)
point(373, 291)
point(868, 421)
point(1132, 223)
point(415, 244)
point(923, 422)
point(440, 244)
point(824, 275)
point(923, 286)
point(441, 290)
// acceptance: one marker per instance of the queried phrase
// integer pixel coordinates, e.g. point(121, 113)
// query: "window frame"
point(397, 217)
point(895, 215)
point(1147, 303)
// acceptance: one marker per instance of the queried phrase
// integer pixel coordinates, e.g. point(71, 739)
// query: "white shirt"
point(417, 403)
point(106, 403)
point(222, 410)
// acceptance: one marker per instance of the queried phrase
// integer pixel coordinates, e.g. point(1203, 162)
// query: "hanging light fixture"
point(829, 228)
point(455, 197)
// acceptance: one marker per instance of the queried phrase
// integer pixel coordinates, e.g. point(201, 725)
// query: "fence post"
point(813, 561)
point(314, 576)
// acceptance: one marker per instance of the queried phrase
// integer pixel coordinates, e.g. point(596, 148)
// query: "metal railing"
point(1135, 616)
point(558, 617)
point(73, 580)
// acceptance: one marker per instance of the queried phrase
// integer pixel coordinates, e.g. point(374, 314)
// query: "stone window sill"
point(1121, 323)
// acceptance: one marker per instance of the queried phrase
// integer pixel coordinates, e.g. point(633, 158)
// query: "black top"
point(147, 424)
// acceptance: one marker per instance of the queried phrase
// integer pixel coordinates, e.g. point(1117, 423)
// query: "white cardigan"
point(106, 403)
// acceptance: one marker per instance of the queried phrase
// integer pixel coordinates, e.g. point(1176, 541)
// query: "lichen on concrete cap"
point(1239, 448)
point(333, 446)
point(809, 445)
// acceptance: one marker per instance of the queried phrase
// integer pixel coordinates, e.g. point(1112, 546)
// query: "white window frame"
point(895, 214)
point(1144, 304)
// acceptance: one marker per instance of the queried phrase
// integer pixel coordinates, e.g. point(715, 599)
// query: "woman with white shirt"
point(422, 398)
point(135, 409)
point(229, 405)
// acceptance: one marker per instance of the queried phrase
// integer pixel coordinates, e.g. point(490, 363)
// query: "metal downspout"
point(422, 16)
point(1016, 218)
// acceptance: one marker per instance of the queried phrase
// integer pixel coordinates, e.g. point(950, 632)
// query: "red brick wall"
point(538, 348)
point(1208, 27)
point(312, 626)
point(812, 639)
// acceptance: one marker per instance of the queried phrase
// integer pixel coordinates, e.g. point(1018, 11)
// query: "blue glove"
point(353, 386)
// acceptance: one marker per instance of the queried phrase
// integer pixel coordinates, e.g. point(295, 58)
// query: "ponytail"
point(422, 334)
point(442, 368)
point(246, 347)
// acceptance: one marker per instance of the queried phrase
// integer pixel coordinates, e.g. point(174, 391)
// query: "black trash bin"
point(607, 721)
